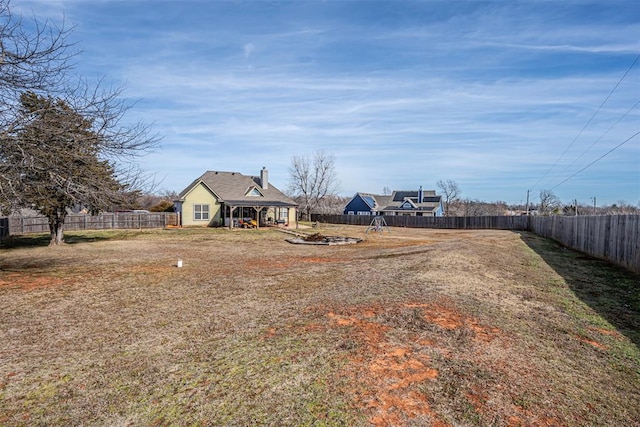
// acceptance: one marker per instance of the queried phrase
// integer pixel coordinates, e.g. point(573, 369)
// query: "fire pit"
point(319, 239)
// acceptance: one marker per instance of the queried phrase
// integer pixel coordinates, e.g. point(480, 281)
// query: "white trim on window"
point(200, 212)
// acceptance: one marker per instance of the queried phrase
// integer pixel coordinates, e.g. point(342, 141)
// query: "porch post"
point(224, 213)
point(258, 209)
point(231, 209)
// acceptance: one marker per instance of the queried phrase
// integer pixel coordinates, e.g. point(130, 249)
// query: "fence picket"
point(18, 225)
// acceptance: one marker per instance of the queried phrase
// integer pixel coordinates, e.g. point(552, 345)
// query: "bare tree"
point(312, 180)
point(61, 139)
point(386, 191)
point(157, 202)
point(332, 205)
point(34, 57)
point(52, 162)
point(451, 192)
point(549, 202)
point(621, 207)
point(481, 208)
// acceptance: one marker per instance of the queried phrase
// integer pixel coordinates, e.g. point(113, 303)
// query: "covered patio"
point(238, 213)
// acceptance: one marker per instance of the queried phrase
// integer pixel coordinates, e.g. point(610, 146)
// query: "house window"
point(201, 212)
point(254, 192)
point(364, 213)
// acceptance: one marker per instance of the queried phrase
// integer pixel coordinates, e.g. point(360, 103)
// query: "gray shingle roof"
point(400, 195)
point(430, 201)
point(232, 188)
point(378, 200)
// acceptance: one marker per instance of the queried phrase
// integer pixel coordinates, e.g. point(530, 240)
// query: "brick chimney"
point(264, 178)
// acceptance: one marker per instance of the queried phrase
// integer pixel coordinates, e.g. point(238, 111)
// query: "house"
point(229, 199)
point(414, 203)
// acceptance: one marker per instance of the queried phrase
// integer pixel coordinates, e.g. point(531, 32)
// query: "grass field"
point(410, 327)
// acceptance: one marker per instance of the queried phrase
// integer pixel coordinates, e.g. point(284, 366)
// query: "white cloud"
point(248, 49)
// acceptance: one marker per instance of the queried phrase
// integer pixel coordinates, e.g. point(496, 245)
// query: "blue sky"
point(493, 95)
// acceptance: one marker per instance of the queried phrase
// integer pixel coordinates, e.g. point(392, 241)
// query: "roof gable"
point(407, 204)
point(369, 200)
point(238, 189)
point(254, 192)
point(191, 187)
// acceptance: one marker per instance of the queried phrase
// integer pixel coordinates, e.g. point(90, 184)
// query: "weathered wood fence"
point(460, 222)
point(615, 238)
point(18, 225)
point(4, 227)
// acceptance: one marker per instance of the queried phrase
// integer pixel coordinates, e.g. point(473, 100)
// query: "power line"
point(589, 121)
point(599, 158)
point(599, 138)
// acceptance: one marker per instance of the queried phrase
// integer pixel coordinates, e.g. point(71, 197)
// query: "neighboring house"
point(414, 203)
point(226, 198)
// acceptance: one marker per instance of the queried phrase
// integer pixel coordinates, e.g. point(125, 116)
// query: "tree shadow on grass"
point(40, 240)
point(612, 291)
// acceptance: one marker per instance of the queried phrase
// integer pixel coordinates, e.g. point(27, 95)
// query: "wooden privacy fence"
point(615, 238)
point(4, 227)
point(460, 222)
point(17, 225)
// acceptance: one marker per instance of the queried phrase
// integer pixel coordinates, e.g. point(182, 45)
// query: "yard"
point(410, 327)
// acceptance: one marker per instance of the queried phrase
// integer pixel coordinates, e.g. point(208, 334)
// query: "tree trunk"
point(56, 229)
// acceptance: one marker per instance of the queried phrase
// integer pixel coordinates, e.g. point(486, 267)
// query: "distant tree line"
point(162, 202)
point(547, 204)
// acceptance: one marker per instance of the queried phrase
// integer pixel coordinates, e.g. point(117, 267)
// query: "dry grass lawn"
point(408, 328)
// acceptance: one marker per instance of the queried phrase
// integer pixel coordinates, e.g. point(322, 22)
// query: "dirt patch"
point(284, 263)
point(389, 378)
point(607, 332)
point(29, 282)
point(591, 342)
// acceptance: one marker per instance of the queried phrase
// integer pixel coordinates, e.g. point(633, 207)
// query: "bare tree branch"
point(451, 193)
point(313, 180)
point(549, 202)
point(63, 141)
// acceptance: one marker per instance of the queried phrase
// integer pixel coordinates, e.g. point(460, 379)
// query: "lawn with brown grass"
point(409, 327)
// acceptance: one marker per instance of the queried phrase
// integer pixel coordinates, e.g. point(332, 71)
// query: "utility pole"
point(528, 202)
point(594, 204)
point(576, 205)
